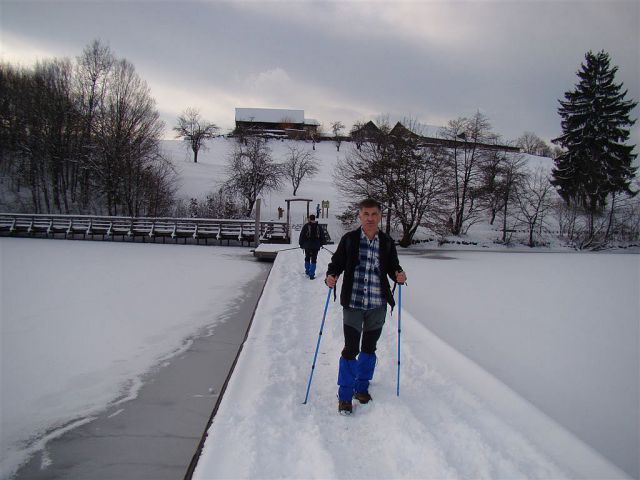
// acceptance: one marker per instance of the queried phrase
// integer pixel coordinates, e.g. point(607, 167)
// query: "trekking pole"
point(399, 330)
point(287, 249)
point(313, 366)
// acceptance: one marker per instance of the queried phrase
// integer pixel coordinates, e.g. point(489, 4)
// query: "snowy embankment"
point(82, 322)
point(437, 428)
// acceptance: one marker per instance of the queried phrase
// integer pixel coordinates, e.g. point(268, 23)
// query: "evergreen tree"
point(595, 125)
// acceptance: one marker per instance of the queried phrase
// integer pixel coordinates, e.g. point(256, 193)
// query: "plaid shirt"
point(367, 292)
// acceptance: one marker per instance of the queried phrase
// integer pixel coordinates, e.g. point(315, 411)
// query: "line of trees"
point(590, 194)
point(446, 189)
point(82, 136)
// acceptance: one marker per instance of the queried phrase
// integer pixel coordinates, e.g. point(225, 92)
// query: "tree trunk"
point(250, 207)
point(608, 232)
point(504, 220)
point(407, 236)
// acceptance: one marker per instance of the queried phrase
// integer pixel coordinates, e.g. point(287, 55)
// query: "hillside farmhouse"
point(369, 131)
point(275, 122)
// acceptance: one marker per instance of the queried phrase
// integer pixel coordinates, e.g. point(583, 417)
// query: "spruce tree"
point(595, 125)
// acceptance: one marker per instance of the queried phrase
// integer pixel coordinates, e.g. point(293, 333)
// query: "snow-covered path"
point(435, 429)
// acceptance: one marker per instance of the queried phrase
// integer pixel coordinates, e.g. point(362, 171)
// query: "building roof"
point(269, 115)
point(371, 129)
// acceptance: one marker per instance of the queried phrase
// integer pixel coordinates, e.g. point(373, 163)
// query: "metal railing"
point(191, 230)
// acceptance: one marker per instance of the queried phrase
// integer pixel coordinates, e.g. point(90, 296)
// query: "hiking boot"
point(345, 407)
point(362, 397)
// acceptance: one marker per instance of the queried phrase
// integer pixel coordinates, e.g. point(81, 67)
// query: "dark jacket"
point(347, 257)
point(312, 236)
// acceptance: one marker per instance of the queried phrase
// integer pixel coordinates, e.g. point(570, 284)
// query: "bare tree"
point(252, 171)
point(566, 216)
point(92, 74)
point(298, 165)
point(84, 136)
point(465, 160)
point(532, 144)
point(40, 134)
point(336, 128)
point(419, 193)
point(127, 133)
point(405, 176)
point(511, 177)
point(157, 188)
point(490, 194)
point(194, 130)
point(626, 225)
point(366, 172)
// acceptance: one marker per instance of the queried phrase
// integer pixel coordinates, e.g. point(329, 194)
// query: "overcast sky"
point(428, 60)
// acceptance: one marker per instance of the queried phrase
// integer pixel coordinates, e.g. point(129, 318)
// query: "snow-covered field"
point(83, 321)
point(452, 419)
point(562, 330)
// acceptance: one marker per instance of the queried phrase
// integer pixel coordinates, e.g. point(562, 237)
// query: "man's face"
point(369, 218)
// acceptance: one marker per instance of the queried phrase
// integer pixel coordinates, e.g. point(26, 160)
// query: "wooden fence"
point(191, 230)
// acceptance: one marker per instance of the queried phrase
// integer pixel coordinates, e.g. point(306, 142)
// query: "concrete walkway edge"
point(194, 461)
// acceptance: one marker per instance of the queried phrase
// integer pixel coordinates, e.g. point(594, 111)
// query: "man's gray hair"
point(369, 203)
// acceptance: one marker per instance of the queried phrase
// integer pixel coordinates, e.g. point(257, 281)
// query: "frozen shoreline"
point(84, 322)
point(155, 434)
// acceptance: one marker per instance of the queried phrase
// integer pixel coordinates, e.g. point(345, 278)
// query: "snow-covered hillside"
point(199, 179)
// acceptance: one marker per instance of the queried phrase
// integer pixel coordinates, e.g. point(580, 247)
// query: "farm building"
point(275, 122)
point(369, 132)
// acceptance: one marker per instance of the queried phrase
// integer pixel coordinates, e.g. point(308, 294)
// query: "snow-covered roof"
point(311, 121)
point(269, 115)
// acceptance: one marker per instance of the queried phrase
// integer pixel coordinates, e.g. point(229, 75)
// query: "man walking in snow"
point(366, 256)
point(311, 240)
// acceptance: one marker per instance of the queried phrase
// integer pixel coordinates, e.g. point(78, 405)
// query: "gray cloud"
point(434, 61)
